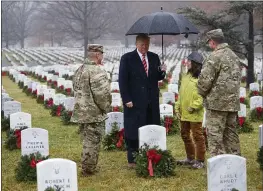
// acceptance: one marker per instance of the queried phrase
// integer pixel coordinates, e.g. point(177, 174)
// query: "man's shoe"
point(186, 162)
point(131, 165)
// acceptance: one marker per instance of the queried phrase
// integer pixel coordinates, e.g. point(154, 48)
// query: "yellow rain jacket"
point(189, 97)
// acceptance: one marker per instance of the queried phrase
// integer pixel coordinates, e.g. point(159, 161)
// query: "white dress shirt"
point(146, 58)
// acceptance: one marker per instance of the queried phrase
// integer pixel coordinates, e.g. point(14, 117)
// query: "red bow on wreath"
point(153, 157)
point(41, 97)
point(61, 87)
point(33, 163)
point(18, 138)
point(35, 92)
point(120, 136)
point(70, 113)
point(116, 91)
point(241, 121)
point(176, 96)
point(116, 108)
point(255, 93)
point(50, 102)
point(55, 83)
point(259, 111)
point(242, 100)
point(168, 121)
point(59, 108)
point(68, 90)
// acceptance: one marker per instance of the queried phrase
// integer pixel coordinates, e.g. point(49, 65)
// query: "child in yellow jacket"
point(189, 111)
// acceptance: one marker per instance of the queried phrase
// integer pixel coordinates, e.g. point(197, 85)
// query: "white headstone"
point(115, 78)
point(166, 110)
point(168, 97)
point(69, 103)
point(243, 110)
point(55, 78)
point(34, 140)
point(49, 93)
point(254, 87)
point(242, 92)
point(260, 77)
point(4, 95)
point(173, 88)
point(34, 85)
point(5, 99)
point(41, 89)
point(11, 107)
point(152, 135)
point(225, 172)
point(114, 86)
point(68, 84)
point(116, 99)
point(61, 81)
point(55, 173)
point(29, 84)
point(114, 117)
point(59, 99)
point(256, 101)
point(20, 119)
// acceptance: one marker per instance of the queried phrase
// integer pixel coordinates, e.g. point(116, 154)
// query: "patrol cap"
point(214, 34)
point(95, 48)
point(196, 57)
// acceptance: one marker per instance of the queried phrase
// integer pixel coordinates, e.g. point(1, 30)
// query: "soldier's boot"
point(186, 162)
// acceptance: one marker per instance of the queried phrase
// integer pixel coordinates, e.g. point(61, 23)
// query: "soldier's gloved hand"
point(190, 109)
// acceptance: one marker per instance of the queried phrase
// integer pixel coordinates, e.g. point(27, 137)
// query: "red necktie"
point(144, 63)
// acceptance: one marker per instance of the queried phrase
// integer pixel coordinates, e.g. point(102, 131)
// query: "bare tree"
point(22, 14)
point(8, 23)
point(85, 21)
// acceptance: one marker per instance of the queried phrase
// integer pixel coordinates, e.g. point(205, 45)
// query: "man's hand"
point(129, 104)
point(163, 67)
point(190, 110)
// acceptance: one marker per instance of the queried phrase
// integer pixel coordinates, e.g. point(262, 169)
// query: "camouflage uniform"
point(219, 84)
point(92, 103)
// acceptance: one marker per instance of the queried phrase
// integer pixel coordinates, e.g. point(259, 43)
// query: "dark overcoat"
point(141, 89)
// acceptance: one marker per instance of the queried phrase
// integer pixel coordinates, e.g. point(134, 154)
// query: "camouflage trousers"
point(222, 132)
point(91, 134)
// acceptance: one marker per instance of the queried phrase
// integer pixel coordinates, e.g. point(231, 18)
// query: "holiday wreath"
point(65, 117)
point(56, 110)
point(244, 126)
point(115, 139)
point(5, 122)
point(260, 158)
point(256, 114)
point(48, 103)
point(14, 138)
point(154, 162)
point(254, 93)
point(26, 169)
point(171, 124)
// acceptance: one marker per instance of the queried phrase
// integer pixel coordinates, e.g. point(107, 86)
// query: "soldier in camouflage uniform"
point(219, 84)
point(92, 103)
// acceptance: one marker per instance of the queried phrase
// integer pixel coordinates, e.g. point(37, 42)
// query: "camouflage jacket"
point(219, 81)
point(92, 94)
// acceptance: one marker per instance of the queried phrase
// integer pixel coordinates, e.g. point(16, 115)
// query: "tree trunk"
point(250, 58)
point(22, 42)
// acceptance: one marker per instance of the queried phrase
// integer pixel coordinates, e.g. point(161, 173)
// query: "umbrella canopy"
point(162, 23)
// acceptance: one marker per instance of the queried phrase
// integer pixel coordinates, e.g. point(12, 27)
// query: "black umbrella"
point(163, 23)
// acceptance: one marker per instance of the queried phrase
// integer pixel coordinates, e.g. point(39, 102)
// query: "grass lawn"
point(64, 142)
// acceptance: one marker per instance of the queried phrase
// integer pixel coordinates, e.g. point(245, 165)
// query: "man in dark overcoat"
point(139, 73)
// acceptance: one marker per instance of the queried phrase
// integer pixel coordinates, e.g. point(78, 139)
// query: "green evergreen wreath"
point(24, 89)
point(163, 163)
point(256, 114)
point(114, 140)
point(260, 158)
point(26, 169)
point(254, 93)
point(171, 124)
point(40, 99)
point(5, 122)
point(65, 117)
point(244, 126)
point(14, 139)
point(20, 84)
point(56, 110)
